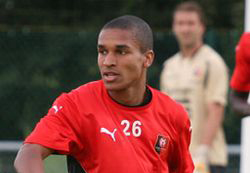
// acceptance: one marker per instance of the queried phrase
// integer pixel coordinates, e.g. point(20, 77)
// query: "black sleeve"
point(73, 165)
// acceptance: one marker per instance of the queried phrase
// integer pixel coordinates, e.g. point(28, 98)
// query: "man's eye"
point(122, 52)
point(103, 52)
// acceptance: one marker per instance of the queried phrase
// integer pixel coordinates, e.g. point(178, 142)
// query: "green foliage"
point(35, 69)
point(92, 14)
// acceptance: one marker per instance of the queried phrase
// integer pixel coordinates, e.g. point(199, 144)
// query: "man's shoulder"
point(242, 49)
point(245, 39)
point(82, 97)
point(172, 110)
point(211, 56)
point(167, 103)
point(86, 90)
point(245, 36)
point(210, 53)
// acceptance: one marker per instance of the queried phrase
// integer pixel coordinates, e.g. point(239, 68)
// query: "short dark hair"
point(141, 30)
point(191, 6)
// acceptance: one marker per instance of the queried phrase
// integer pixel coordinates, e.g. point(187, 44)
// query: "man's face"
point(121, 63)
point(188, 28)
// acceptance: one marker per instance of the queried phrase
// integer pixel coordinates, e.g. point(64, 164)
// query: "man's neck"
point(189, 51)
point(129, 97)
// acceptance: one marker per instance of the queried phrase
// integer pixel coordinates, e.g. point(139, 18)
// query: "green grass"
point(56, 164)
point(53, 164)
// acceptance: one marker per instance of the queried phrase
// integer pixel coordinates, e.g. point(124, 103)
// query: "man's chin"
point(112, 86)
point(188, 43)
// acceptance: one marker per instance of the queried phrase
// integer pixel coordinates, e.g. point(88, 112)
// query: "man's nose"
point(109, 60)
point(185, 28)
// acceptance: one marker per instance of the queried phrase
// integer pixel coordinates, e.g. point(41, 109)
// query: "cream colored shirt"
point(195, 82)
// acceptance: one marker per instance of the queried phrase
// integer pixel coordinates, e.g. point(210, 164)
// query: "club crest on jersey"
point(161, 144)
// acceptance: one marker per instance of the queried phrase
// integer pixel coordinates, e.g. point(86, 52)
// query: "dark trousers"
point(217, 169)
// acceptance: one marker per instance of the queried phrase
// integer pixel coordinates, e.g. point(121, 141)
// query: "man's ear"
point(149, 58)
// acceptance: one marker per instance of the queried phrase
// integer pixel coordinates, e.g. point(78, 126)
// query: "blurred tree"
point(91, 14)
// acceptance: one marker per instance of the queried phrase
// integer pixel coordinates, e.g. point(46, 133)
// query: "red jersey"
point(104, 136)
point(241, 77)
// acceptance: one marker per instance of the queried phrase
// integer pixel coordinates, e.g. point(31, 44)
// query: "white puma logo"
point(56, 108)
point(112, 134)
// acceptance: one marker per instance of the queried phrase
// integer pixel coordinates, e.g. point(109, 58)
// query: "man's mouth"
point(110, 76)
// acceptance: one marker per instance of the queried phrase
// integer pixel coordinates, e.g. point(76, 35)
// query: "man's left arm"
point(216, 99)
point(213, 122)
point(239, 102)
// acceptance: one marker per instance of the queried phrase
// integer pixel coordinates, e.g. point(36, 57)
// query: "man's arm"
point(30, 158)
point(212, 125)
point(213, 122)
point(239, 102)
point(215, 100)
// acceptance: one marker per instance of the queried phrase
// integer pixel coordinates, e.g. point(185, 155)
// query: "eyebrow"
point(99, 46)
point(122, 46)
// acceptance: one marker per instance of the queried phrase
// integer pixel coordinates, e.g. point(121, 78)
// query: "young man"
point(117, 124)
point(197, 77)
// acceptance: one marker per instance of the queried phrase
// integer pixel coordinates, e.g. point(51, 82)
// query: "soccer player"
point(240, 82)
point(240, 96)
point(117, 124)
point(197, 77)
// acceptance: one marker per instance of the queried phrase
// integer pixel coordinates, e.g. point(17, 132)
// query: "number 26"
point(136, 129)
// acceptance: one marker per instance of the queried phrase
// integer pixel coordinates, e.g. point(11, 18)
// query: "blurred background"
point(49, 47)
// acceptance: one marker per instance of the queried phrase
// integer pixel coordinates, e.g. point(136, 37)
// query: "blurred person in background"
point(197, 77)
point(240, 81)
point(119, 123)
